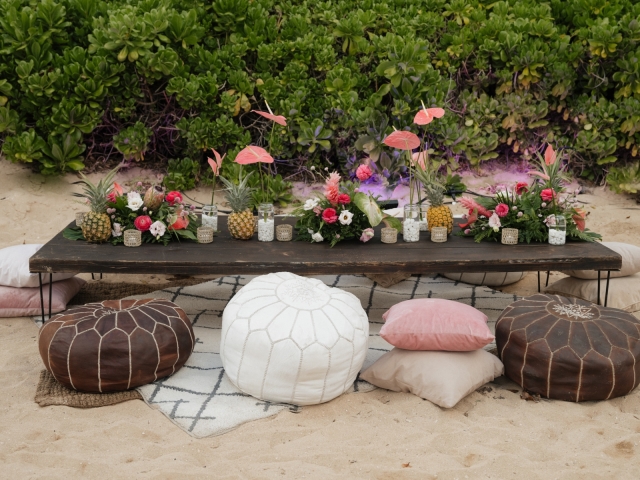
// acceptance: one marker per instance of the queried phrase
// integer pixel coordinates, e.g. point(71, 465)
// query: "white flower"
point(550, 221)
point(312, 168)
point(157, 229)
point(520, 214)
point(543, 204)
point(117, 230)
point(514, 208)
point(134, 201)
point(310, 204)
point(494, 222)
point(345, 217)
point(316, 237)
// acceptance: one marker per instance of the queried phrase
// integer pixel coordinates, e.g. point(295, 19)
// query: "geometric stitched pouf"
point(293, 339)
point(569, 349)
point(116, 345)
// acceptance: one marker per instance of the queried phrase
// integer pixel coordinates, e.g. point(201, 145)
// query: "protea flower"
point(153, 197)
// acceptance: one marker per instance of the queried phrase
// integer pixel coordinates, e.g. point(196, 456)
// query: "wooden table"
point(227, 256)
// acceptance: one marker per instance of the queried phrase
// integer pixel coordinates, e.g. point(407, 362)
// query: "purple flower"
point(467, 231)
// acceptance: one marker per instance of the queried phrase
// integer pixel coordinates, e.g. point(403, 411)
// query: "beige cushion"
point(489, 279)
point(443, 378)
point(630, 262)
point(624, 293)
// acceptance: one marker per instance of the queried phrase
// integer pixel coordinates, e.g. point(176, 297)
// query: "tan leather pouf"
point(569, 349)
point(117, 344)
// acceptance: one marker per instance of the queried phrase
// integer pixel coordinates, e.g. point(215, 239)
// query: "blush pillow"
point(435, 324)
point(14, 267)
point(443, 378)
point(630, 262)
point(23, 302)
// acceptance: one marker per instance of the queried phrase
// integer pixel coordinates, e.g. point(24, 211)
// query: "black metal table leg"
point(50, 293)
point(606, 291)
point(41, 296)
point(546, 284)
point(599, 302)
point(538, 281)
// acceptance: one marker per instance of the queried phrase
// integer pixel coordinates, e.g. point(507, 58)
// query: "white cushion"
point(630, 262)
point(624, 292)
point(293, 339)
point(14, 267)
point(488, 279)
point(443, 378)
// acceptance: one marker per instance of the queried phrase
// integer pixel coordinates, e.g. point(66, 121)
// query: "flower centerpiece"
point(158, 216)
point(341, 213)
point(531, 208)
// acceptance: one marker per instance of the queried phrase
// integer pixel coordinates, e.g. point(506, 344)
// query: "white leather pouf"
point(292, 339)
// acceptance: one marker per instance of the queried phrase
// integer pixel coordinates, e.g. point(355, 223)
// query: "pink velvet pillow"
point(23, 302)
point(435, 324)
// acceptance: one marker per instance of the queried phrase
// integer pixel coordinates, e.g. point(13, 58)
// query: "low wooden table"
point(228, 256)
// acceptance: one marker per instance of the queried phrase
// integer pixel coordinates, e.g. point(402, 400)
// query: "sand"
point(492, 433)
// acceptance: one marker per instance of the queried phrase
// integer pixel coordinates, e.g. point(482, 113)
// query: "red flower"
point(143, 223)
point(471, 219)
point(116, 192)
point(502, 209)
point(180, 224)
point(547, 194)
point(363, 173)
point(330, 215)
point(344, 199)
point(173, 198)
point(522, 187)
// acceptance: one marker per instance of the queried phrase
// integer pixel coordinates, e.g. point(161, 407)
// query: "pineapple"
point(438, 214)
point(96, 226)
point(241, 223)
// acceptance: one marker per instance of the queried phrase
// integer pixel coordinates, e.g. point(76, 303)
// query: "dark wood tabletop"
point(227, 256)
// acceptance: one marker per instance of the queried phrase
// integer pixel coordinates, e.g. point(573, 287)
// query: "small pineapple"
point(96, 226)
point(241, 223)
point(438, 214)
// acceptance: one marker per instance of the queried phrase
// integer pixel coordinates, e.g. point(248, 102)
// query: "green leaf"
point(73, 233)
point(368, 205)
point(75, 165)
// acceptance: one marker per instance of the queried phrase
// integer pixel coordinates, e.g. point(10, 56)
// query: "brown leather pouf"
point(117, 344)
point(569, 349)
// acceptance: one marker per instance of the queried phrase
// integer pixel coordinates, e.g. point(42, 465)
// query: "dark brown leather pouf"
point(117, 344)
point(569, 349)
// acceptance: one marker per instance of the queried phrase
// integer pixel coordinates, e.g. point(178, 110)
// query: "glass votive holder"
point(132, 238)
point(411, 225)
point(284, 232)
point(509, 236)
point(210, 217)
point(388, 235)
point(205, 234)
point(439, 234)
point(266, 223)
point(80, 218)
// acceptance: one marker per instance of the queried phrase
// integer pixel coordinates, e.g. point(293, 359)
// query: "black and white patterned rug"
point(202, 401)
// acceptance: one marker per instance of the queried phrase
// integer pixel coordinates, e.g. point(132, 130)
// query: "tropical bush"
point(86, 81)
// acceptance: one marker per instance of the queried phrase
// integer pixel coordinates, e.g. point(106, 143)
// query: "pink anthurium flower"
point(253, 154)
point(279, 119)
point(549, 155)
point(402, 140)
point(217, 163)
point(539, 174)
point(426, 115)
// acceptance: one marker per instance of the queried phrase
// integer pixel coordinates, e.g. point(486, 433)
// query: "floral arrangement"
point(160, 217)
point(531, 208)
point(342, 212)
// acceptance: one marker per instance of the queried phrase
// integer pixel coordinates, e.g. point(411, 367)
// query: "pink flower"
point(173, 198)
point(467, 231)
point(494, 222)
point(367, 234)
point(317, 210)
point(330, 215)
point(332, 188)
point(363, 173)
point(473, 205)
point(344, 199)
point(547, 194)
point(143, 223)
point(116, 192)
point(539, 174)
point(502, 209)
point(522, 187)
point(549, 155)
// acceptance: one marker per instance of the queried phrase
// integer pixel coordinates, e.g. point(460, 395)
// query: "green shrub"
point(177, 78)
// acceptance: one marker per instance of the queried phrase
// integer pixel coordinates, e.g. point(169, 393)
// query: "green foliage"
point(512, 76)
point(181, 174)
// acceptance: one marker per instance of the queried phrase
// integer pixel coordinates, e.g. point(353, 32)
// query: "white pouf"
point(292, 339)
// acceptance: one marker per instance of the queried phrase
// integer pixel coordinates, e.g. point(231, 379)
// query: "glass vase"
point(424, 224)
point(557, 229)
point(266, 223)
point(210, 217)
point(411, 225)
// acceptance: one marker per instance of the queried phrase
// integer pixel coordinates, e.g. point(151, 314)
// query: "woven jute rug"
point(51, 392)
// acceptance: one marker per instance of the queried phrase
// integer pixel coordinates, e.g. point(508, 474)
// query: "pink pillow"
point(23, 302)
point(435, 324)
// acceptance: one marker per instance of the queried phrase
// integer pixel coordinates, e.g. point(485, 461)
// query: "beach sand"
point(492, 433)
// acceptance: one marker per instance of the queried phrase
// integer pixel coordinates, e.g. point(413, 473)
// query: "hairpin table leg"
point(546, 284)
point(606, 291)
point(538, 281)
point(50, 292)
point(41, 297)
point(599, 302)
